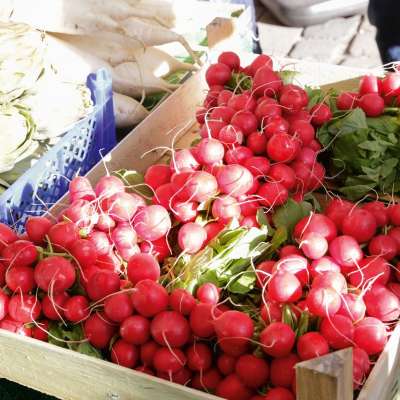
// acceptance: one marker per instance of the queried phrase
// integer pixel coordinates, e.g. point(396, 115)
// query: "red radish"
point(210, 129)
point(245, 121)
point(125, 354)
point(80, 188)
point(238, 155)
point(338, 330)
point(181, 377)
point(283, 370)
point(37, 228)
point(261, 60)
point(82, 213)
point(149, 298)
point(283, 147)
point(211, 151)
point(381, 303)
point(76, 309)
point(307, 156)
point(152, 222)
point(242, 101)
point(208, 293)
point(345, 251)
point(158, 248)
point(323, 302)
point(346, 100)
point(211, 99)
point(322, 265)
point(218, 74)
point(39, 331)
point(3, 270)
point(372, 269)
point(230, 135)
point(118, 307)
point(170, 328)
point(225, 208)
point(226, 364)
point(234, 179)
point(284, 287)
point(283, 174)
point(361, 359)
point(293, 98)
point(135, 330)
point(147, 352)
point(352, 307)
point(54, 273)
point(120, 206)
point(320, 113)
point(4, 302)
point(201, 319)
point(253, 371)
point(169, 360)
point(223, 98)
point(84, 252)
point(63, 234)
point(266, 82)
point(331, 279)
point(182, 301)
point(370, 335)
point(248, 207)
point(24, 308)
point(379, 210)
point(383, 245)
point(199, 357)
point(184, 211)
point(394, 214)
point(394, 288)
point(230, 59)
point(234, 329)
point(101, 242)
point(53, 307)
point(264, 272)
point(303, 115)
point(369, 84)
point(271, 312)
point(295, 264)
point(279, 393)
point(232, 388)
point(273, 194)
point(157, 175)
point(250, 222)
point(207, 381)
point(337, 210)
point(277, 339)
point(222, 113)
point(316, 223)
point(258, 166)
point(7, 236)
point(213, 229)
point(302, 130)
point(102, 284)
point(20, 279)
point(191, 237)
point(109, 185)
point(274, 125)
point(312, 345)
point(110, 262)
point(124, 236)
point(20, 252)
point(19, 328)
point(256, 142)
point(289, 250)
point(372, 104)
point(313, 245)
point(143, 266)
point(391, 84)
point(267, 108)
point(163, 195)
point(198, 186)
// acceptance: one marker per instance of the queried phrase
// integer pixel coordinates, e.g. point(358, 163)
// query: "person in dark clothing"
point(384, 14)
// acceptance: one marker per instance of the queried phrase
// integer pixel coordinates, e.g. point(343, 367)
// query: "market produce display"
point(219, 268)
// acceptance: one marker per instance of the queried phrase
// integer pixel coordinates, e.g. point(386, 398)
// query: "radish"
point(225, 208)
point(283, 174)
point(288, 250)
point(277, 340)
point(379, 210)
point(152, 222)
point(302, 130)
point(272, 194)
point(320, 114)
point(135, 329)
point(372, 104)
point(208, 293)
point(53, 308)
point(157, 175)
point(109, 185)
point(312, 345)
point(271, 312)
point(226, 364)
point(222, 113)
point(331, 279)
point(248, 207)
point(201, 319)
point(207, 381)
point(394, 288)
point(238, 155)
point(169, 360)
point(267, 108)
point(230, 59)
point(316, 223)
point(147, 352)
point(284, 287)
point(337, 210)
point(230, 135)
point(80, 188)
point(218, 74)
point(7, 236)
point(274, 125)
point(252, 371)
point(124, 236)
point(184, 211)
point(149, 298)
point(20, 279)
point(82, 213)
point(76, 308)
point(210, 151)
point(381, 303)
point(279, 393)
point(213, 229)
point(352, 306)
point(322, 265)
point(24, 308)
point(282, 147)
point(370, 335)
point(84, 252)
point(383, 245)
point(346, 100)
point(170, 328)
point(394, 214)
point(283, 370)
point(211, 99)
point(234, 329)
point(118, 307)
point(232, 388)
point(102, 284)
point(370, 268)
point(125, 354)
point(345, 251)
point(323, 301)
point(158, 248)
point(62, 235)
point(143, 266)
point(182, 301)
point(37, 228)
point(3, 270)
point(191, 237)
point(100, 241)
point(40, 332)
point(223, 98)
point(307, 156)
point(242, 101)
point(181, 377)
point(234, 179)
point(266, 82)
point(390, 84)
point(209, 129)
point(313, 245)
point(369, 84)
point(258, 166)
point(395, 234)
point(264, 272)
point(20, 252)
point(198, 186)
point(4, 302)
point(54, 273)
point(19, 328)
point(338, 330)
point(261, 60)
point(256, 142)
point(199, 357)
point(246, 121)
point(293, 98)
point(295, 264)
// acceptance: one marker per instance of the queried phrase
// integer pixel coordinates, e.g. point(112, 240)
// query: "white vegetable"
point(128, 111)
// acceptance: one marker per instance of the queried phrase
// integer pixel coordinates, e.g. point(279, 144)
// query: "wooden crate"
point(72, 376)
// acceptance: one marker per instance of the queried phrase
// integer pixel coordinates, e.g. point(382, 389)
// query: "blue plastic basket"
point(77, 152)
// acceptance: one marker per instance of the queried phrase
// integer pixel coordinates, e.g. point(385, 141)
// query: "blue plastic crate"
point(77, 152)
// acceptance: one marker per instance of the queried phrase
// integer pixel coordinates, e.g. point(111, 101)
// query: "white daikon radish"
point(132, 80)
point(151, 35)
point(128, 111)
point(112, 47)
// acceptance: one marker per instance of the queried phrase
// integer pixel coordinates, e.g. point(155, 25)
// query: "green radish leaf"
point(291, 213)
point(304, 322)
point(134, 181)
point(87, 349)
point(288, 76)
point(244, 284)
